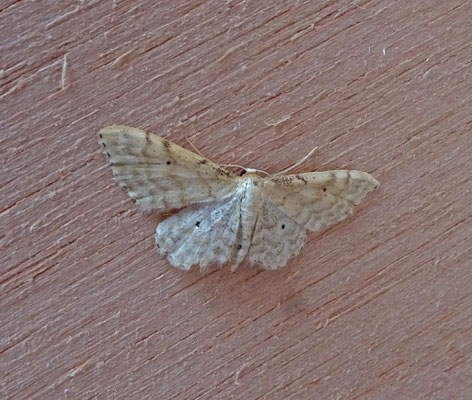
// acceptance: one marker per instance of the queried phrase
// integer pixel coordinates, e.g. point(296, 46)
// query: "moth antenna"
point(246, 169)
point(299, 162)
point(194, 147)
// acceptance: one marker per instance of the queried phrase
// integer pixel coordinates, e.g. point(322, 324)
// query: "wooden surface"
point(377, 307)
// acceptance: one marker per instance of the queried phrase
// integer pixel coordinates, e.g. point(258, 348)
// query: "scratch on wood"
point(302, 32)
point(64, 71)
point(121, 59)
point(61, 18)
point(232, 49)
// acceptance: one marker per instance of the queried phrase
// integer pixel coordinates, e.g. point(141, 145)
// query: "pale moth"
point(226, 217)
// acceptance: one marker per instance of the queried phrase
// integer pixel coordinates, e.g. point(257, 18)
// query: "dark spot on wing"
point(203, 162)
point(283, 226)
point(166, 143)
point(148, 139)
point(108, 154)
point(243, 172)
point(222, 172)
point(282, 180)
point(100, 136)
point(302, 179)
point(324, 189)
point(239, 247)
point(197, 224)
point(168, 163)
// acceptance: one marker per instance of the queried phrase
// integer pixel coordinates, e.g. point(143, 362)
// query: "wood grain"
point(377, 307)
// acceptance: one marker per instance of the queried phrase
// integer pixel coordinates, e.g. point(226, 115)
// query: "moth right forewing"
point(319, 199)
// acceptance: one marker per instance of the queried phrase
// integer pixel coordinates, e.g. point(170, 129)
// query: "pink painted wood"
point(377, 307)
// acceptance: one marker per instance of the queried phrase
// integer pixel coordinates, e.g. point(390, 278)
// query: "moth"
point(225, 217)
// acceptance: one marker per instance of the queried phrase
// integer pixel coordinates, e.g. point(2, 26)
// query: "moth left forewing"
point(319, 199)
point(160, 174)
point(126, 146)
